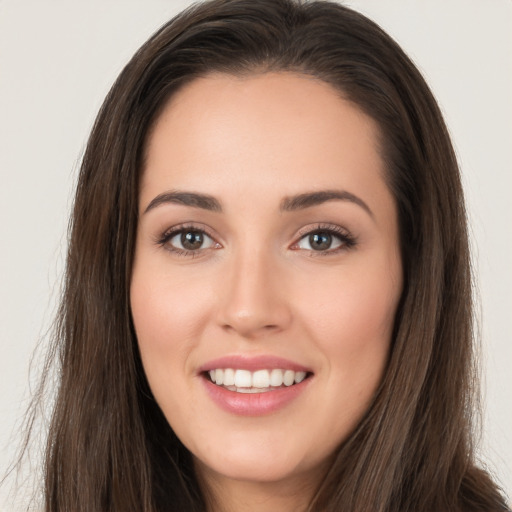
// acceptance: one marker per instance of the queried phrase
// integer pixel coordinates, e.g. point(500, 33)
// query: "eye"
point(187, 241)
point(319, 241)
point(191, 240)
point(324, 240)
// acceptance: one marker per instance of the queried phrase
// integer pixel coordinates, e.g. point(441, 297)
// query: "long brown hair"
point(109, 445)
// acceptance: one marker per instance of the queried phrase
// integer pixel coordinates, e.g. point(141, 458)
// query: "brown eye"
point(320, 241)
point(324, 240)
point(190, 240)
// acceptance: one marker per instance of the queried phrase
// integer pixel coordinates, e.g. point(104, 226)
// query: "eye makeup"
point(190, 240)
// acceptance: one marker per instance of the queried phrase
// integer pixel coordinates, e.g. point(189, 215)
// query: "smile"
point(260, 381)
point(256, 385)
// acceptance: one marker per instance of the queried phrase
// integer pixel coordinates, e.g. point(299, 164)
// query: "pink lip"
point(252, 363)
point(253, 404)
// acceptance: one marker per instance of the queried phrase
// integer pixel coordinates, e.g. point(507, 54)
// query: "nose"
point(254, 301)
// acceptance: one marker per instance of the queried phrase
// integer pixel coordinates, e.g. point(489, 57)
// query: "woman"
point(267, 300)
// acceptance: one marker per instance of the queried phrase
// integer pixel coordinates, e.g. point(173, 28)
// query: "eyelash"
point(347, 240)
point(168, 235)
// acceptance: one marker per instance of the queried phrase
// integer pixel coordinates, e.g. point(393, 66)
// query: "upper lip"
point(253, 363)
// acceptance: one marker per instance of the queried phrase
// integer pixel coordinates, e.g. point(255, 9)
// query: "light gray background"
point(58, 60)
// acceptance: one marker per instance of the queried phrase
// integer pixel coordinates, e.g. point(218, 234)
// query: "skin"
point(256, 286)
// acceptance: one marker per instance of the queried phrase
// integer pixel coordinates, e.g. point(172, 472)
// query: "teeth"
point(248, 390)
point(276, 378)
point(299, 377)
point(289, 377)
point(229, 377)
point(245, 381)
point(261, 379)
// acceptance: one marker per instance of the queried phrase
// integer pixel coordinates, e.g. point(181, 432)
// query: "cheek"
point(351, 317)
point(166, 311)
point(357, 310)
point(167, 315)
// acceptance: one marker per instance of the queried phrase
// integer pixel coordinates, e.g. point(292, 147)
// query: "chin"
point(264, 469)
point(258, 460)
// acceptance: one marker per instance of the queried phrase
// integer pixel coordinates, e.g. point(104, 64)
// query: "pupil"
point(320, 241)
point(192, 240)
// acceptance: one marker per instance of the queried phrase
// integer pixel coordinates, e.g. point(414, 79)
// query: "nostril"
point(250, 327)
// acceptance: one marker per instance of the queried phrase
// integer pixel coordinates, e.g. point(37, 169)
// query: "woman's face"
point(267, 250)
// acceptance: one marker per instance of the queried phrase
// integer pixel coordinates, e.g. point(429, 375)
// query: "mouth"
point(255, 385)
point(259, 381)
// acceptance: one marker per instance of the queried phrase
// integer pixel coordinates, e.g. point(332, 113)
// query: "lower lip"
point(254, 404)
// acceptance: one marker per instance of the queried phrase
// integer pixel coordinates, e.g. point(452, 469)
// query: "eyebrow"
point(310, 199)
point(288, 204)
point(203, 201)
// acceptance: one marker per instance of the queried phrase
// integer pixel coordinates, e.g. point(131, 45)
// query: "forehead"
point(283, 130)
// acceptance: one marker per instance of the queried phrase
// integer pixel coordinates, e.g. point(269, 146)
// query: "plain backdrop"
point(57, 62)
